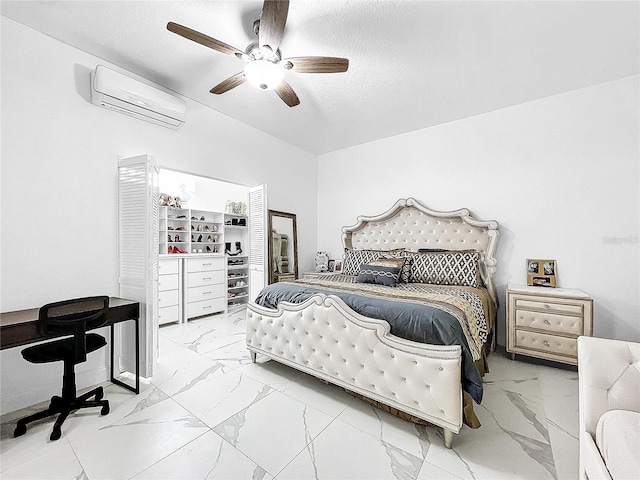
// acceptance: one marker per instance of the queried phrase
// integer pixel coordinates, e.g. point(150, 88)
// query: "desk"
point(21, 328)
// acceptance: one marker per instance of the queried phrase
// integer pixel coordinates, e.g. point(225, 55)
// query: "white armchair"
point(609, 399)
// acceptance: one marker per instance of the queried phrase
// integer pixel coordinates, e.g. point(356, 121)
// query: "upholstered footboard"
point(324, 338)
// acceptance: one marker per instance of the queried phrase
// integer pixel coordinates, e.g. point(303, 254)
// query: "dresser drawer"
point(168, 282)
point(205, 264)
point(550, 322)
point(550, 306)
point(168, 314)
point(168, 266)
point(206, 307)
point(550, 344)
point(198, 279)
point(170, 297)
point(207, 292)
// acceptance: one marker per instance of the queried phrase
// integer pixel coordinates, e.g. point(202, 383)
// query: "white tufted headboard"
point(412, 226)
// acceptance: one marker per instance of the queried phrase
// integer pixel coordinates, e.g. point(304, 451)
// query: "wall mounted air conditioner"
point(123, 94)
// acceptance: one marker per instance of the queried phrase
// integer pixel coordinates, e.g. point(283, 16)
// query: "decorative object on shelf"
point(337, 267)
point(169, 201)
point(322, 261)
point(236, 208)
point(541, 273)
point(332, 263)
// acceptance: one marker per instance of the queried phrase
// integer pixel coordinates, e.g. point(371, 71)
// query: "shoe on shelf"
point(199, 228)
point(208, 249)
point(202, 218)
point(180, 228)
point(194, 218)
point(206, 228)
point(181, 216)
point(179, 250)
point(178, 238)
point(194, 250)
point(169, 238)
point(169, 228)
point(209, 239)
point(199, 238)
point(199, 250)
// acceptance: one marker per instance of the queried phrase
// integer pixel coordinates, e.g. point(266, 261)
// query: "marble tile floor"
point(210, 413)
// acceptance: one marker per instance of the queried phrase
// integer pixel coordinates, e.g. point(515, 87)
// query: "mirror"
point(283, 247)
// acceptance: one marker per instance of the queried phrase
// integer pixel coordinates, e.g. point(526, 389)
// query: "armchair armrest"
point(608, 379)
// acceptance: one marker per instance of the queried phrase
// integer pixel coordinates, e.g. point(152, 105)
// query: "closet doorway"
point(238, 214)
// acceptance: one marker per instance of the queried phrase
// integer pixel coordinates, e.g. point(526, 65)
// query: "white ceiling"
point(413, 64)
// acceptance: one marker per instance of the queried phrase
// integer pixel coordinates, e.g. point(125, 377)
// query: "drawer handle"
point(206, 264)
point(546, 344)
point(206, 293)
point(206, 278)
point(206, 306)
point(547, 322)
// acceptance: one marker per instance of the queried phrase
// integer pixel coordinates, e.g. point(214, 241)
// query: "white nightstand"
point(545, 322)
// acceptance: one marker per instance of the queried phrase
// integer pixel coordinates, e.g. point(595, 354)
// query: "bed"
point(407, 323)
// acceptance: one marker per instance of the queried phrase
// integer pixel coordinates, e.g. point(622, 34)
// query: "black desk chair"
point(71, 317)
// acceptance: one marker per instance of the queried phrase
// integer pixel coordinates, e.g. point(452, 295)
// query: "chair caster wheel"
point(20, 430)
point(105, 410)
point(56, 434)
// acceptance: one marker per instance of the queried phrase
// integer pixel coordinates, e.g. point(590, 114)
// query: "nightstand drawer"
point(550, 322)
point(534, 341)
point(549, 306)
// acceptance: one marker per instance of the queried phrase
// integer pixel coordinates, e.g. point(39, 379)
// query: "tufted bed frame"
point(325, 338)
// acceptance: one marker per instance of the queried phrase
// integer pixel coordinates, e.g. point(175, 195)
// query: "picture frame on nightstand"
point(541, 272)
point(331, 265)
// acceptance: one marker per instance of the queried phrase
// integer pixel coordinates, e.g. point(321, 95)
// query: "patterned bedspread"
point(441, 315)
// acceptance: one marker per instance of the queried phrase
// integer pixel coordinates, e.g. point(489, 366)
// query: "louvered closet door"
point(257, 240)
point(138, 258)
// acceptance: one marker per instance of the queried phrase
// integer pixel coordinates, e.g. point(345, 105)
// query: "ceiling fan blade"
point(286, 93)
point(316, 64)
point(274, 18)
point(203, 39)
point(229, 83)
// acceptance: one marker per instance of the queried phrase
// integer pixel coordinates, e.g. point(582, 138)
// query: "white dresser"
point(169, 290)
point(546, 322)
point(205, 285)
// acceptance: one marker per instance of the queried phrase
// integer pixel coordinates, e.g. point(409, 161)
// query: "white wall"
point(59, 189)
point(561, 175)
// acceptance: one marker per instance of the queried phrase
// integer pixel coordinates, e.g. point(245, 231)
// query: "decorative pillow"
point(354, 258)
point(446, 268)
point(405, 270)
point(380, 272)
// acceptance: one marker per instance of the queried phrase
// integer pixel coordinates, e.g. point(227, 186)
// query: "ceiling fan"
point(266, 66)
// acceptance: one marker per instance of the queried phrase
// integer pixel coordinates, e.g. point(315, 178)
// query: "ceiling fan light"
point(263, 74)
